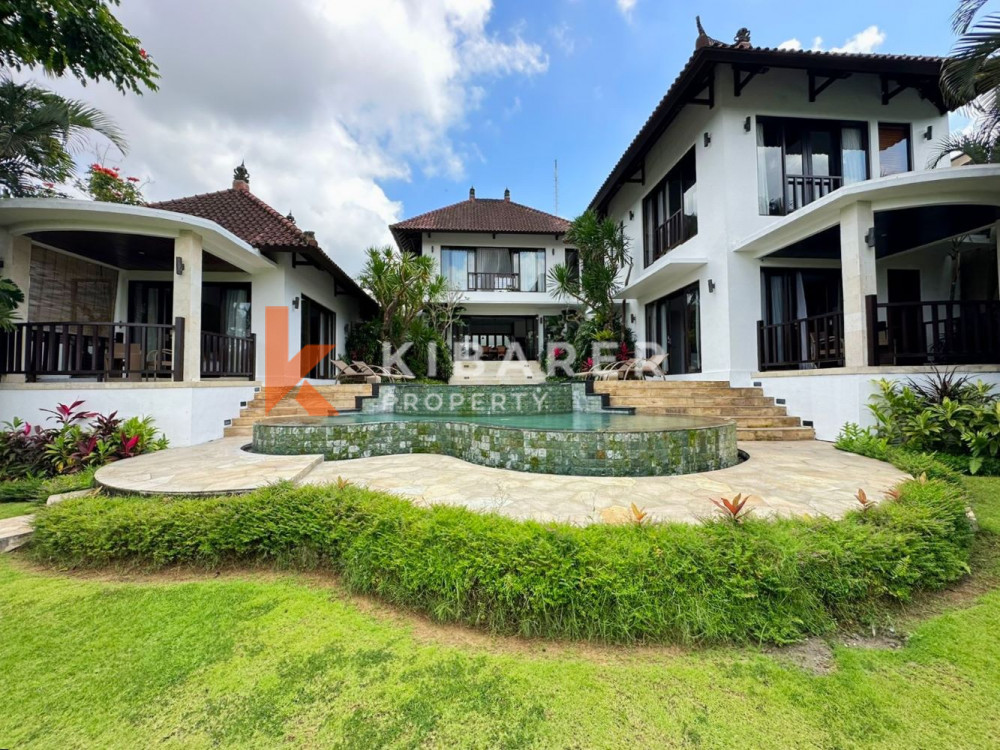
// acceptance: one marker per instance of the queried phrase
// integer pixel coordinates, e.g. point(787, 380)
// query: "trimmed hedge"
point(760, 581)
point(38, 489)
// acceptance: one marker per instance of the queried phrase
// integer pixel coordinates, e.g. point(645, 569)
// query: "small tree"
point(404, 285)
point(78, 37)
point(605, 267)
point(106, 184)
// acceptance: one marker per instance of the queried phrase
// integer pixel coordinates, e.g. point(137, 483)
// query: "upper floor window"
point(493, 269)
point(800, 161)
point(894, 156)
point(670, 211)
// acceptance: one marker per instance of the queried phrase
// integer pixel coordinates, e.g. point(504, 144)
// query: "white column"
point(15, 251)
point(857, 268)
point(187, 301)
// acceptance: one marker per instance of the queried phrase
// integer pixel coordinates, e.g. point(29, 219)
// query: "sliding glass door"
point(319, 326)
point(674, 323)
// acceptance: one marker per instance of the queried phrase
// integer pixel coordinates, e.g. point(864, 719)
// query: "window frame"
point(674, 178)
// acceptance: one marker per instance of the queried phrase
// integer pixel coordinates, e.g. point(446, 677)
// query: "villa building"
point(791, 228)
point(160, 309)
point(496, 255)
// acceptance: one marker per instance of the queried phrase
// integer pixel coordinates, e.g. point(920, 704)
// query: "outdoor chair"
point(347, 373)
point(381, 372)
point(652, 367)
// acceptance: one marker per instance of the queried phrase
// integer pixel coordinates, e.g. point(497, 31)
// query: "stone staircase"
point(341, 397)
point(757, 416)
point(497, 373)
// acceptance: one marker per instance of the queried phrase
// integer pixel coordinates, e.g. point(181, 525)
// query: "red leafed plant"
point(639, 516)
point(733, 508)
point(71, 414)
point(862, 498)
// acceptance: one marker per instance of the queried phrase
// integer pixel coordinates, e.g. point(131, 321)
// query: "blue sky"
point(607, 69)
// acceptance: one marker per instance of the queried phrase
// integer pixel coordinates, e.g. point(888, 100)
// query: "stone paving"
point(794, 478)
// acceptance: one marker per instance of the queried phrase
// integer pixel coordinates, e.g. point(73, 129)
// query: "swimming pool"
point(559, 428)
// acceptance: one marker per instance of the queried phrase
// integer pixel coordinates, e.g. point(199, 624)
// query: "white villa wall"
point(727, 200)
point(188, 414)
point(829, 400)
point(503, 303)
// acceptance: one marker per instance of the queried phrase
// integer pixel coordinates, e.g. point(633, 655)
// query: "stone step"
point(759, 422)
point(693, 400)
point(665, 385)
point(641, 391)
point(776, 433)
point(716, 411)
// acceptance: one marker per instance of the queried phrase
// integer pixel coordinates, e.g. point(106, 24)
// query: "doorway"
point(674, 323)
point(319, 326)
point(904, 323)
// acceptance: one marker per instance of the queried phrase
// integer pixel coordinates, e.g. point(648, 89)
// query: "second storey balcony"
point(494, 269)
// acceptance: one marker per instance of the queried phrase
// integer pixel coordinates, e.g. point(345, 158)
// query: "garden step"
point(716, 411)
point(694, 400)
point(776, 433)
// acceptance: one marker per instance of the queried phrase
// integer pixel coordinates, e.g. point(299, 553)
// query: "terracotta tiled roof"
point(918, 70)
point(485, 215)
point(243, 214)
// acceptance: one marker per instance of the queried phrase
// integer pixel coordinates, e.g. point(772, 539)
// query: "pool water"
point(571, 421)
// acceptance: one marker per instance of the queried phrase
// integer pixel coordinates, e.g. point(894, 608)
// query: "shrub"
point(945, 414)
point(79, 439)
point(38, 489)
point(756, 581)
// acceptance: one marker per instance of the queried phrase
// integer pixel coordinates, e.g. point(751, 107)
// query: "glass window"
point(674, 324)
point(532, 270)
point(893, 149)
point(456, 265)
point(670, 211)
point(854, 158)
point(769, 169)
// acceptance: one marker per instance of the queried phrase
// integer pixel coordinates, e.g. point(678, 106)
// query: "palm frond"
point(965, 14)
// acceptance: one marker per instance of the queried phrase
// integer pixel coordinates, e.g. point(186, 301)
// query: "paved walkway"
point(793, 478)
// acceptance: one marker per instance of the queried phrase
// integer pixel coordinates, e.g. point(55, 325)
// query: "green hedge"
point(760, 581)
point(38, 489)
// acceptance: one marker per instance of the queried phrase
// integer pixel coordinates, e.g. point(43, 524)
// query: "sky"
point(353, 114)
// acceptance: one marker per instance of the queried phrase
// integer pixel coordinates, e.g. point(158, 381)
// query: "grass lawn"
point(258, 659)
point(9, 510)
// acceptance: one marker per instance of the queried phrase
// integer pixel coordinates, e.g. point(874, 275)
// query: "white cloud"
point(626, 7)
point(561, 36)
point(323, 100)
point(791, 44)
point(864, 42)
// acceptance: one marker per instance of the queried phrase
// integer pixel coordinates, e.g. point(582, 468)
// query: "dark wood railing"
point(494, 282)
point(106, 351)
point(678, 228)
point(225, 356)
point(801, 189)
point(933, 332)
point(817, 340)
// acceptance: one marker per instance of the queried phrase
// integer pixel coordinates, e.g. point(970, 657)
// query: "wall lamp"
point(870, 237)
point(929, 133)
point(633, 317)
point(179, 266)
point(707, 138)
point(631, 215)
point(747, 124)
point(296, 301)
point(711, 286)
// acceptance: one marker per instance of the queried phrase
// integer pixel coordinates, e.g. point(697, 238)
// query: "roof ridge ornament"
point(742, 39)
point(704, 40)
point(241, 177)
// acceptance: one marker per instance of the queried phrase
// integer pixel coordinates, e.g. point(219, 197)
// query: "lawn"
point(9, 510)
point(256, 659)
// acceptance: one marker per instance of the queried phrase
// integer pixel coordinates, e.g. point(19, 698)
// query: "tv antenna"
point(555, 181)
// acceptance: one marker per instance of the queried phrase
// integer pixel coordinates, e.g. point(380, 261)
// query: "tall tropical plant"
point(10, 297)
point(971, 78)
point(404, 285)
point(605, 266)
point(39, 130)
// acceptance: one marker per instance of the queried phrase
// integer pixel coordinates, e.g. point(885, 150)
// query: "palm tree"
point(971, 78)
point(38, 131)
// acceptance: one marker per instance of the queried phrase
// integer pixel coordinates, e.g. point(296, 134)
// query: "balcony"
point(677, 229)
point(495, 282)
point(803, 343)
point(119, 351)
point(801, 189)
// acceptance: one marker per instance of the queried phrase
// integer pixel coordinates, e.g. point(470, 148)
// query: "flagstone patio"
point(786, 479)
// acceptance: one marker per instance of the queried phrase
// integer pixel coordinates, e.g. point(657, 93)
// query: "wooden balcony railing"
point(816, 341)
point(678, 228)
point(933, 332)
point(106, 351)
point(801, 190)
point(225, 356)
point(494, 282)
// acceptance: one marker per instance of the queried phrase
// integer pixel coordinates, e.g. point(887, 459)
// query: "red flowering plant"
point(106, 184)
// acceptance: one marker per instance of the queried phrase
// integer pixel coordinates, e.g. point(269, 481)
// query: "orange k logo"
point(281, 374)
